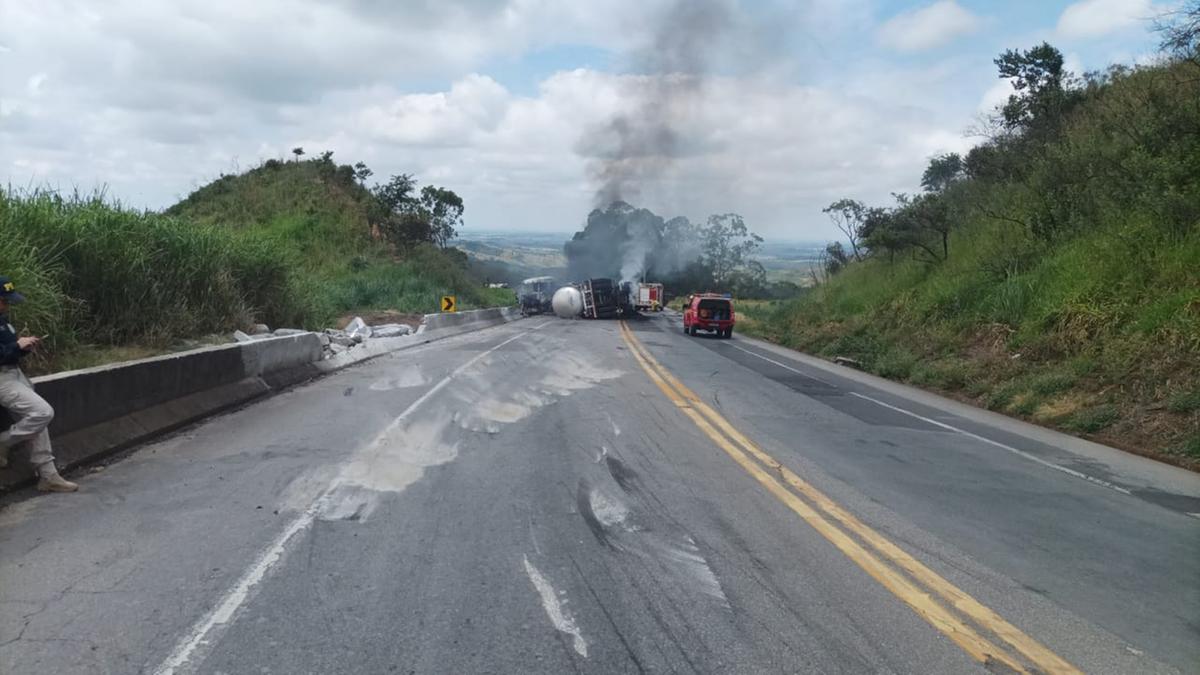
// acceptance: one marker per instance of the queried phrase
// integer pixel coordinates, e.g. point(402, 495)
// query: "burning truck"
point(535, 295)
point(605, 299)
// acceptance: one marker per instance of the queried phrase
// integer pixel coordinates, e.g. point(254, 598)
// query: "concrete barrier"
point(472, 318)
point(103, 410)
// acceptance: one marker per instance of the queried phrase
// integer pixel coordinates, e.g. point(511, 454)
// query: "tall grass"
point(115, 275)
point(101, 275)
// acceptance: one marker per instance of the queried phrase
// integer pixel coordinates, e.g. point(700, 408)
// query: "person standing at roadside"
point(31, 413)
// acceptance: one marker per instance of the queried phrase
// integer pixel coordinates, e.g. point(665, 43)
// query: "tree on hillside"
point(847, 216)
point(1041, 94)
point(942, 172)
point(834, 258)
point(728, 244)
point(881, 233)
point(394, 210)
point(444, 210)
point(1180, 31)
point(362, 173)
point(395, 196)
point(298, 152)
point(920, 218)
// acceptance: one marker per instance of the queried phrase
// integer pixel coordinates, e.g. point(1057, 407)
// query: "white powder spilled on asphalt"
point(394, 461)
point(16, 513)
point(609, 510)
point(616, 429)
point(410, 377)
point(306, 487)
point(572, 372)
point(559, 615)
point(487, 405)
point(397, 459)
point(687, 560)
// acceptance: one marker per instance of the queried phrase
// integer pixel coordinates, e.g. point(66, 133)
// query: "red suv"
point(711, 312)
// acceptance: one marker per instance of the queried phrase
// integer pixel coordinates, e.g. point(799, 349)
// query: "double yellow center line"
point(978, 630)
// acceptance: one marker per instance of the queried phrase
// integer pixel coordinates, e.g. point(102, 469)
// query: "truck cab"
point(710, 312)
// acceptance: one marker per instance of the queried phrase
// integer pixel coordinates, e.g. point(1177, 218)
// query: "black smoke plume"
point(638, 146)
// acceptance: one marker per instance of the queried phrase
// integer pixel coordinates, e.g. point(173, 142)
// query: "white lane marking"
point(783, 365)
point(1022, 453)
point(998, 444)
point(202, 633)
point(559, 616)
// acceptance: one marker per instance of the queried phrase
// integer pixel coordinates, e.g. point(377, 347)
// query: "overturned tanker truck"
point(594, 299)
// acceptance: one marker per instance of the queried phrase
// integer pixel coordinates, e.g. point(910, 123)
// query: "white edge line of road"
point(998, 444)
point(948, 427)
point(238, 595)
point(782, 365)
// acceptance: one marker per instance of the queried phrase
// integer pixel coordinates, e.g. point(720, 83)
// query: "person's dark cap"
point(9, 292)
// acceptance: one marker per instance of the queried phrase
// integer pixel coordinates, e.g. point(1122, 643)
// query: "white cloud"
point(766, 150)
point(996, 96)
point(928, 27)
point(1097, 18)
point(154, 100)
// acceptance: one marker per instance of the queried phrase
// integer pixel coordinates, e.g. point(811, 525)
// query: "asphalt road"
point(568, 496)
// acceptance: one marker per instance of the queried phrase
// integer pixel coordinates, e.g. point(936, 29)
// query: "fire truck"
point(648, 297)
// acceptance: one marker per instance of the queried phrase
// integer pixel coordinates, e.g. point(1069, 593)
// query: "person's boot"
point(49, 480)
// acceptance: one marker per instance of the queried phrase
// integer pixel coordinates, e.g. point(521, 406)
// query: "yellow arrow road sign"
point(448, 304)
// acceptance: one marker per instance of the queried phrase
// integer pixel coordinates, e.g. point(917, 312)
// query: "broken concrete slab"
point(358, 327)
point(390, 330)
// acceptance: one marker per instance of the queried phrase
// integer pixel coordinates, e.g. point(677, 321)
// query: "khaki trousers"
point(31, 415)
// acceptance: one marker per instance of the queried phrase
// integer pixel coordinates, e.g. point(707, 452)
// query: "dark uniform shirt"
point(10, 353)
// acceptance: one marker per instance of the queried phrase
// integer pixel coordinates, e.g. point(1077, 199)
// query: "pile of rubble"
point(333, 341)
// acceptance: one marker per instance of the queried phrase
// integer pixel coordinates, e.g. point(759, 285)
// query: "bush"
point(1184, 401)
point(1093, 419)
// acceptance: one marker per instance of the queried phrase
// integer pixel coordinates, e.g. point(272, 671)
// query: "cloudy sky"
point(511, 103)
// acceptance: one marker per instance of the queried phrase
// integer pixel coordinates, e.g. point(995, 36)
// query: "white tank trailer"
point(594, 299)
point(567, 302)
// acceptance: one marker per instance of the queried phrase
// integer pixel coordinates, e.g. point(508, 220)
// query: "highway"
point(556, 496)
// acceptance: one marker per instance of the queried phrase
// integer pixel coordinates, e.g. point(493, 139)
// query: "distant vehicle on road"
point(536, 293)
point(649, 297)
point(712, 312)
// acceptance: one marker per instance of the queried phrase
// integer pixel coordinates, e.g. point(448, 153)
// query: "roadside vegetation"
point(1053, 273)
point(293, 244)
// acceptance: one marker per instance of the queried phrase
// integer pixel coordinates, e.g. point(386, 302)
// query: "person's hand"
point(28, 343)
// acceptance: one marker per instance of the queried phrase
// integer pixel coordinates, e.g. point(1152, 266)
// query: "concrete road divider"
point(103, 410)
point(473, 319)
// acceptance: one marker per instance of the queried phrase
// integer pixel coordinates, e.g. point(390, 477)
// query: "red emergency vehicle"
point(712, 312)
point(649, 297)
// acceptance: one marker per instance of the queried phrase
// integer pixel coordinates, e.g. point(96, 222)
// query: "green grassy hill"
point(1070, 290)
point(316, 215)
point(287, 244)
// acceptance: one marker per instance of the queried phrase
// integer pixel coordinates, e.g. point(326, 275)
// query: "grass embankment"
point(1094, 339)
point(284, 246)
point(1070, 291)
